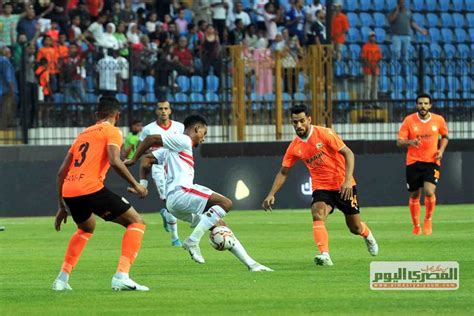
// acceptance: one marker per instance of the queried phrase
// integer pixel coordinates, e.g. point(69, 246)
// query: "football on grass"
point(222, 238)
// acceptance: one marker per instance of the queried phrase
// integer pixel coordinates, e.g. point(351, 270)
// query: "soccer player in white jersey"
point(190, 202)
point(163, 126)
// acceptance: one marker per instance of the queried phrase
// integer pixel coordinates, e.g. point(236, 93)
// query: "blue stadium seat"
point(365, 5)
point(344, 52)
point(380, 35)
point(212, 97)
point(458, 20)
point(412, 83)
point(353, 35)
point(384, 84)
point(196, 100)
point(427, 83)
point(383, 68)
point(435, 34)
point(463, 50)
point(380, 20)
point(391, 4)
point(180, 98)
point(397, 95)
point(432, 20)
point(122, 97)
point(138, 84)
point(435, 50)
point(339, 68)
point(150, 97)
point(444, 5)
point(431, 5)
point(385, 51)
point(92, 98)
point(447, 19)
point(212, 83)
point(398, 84)
point(466, 83)
point(418, 5)
point(447, 35)
point(469, 5)
point(353, 19)
point(351, 5)
point(458, 5)
point(299, 97)
point(470, 19)
point(58, 98)
point(453, 84)
point(410, 95)
point(419, 19)
point(439, 83)
point(366, 19)
point(379, 6)
point(183, 83)
point(395, 67)
point(269, 101)
point(286, 98)
point(89, 84)
point(256, 101)
point(149, 84)
point(354, 50)
point(354, 68)
point(461, 35)
point(247, 4)
point(137, 97)
point(365, 33)
point(301, 82)
point(197, 84)
point(449, 50)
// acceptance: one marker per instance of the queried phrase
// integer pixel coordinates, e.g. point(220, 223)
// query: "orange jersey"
point(371, 52)
point(428, 132)
point(320, 153)
point(339, 26)
point(51, 56)
point(43, 78)
point(90, 161)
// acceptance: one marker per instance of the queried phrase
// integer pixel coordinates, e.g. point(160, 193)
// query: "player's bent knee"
point(356, 230)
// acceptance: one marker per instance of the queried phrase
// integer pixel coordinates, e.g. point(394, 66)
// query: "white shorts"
point(158, 176)
point(187, 204)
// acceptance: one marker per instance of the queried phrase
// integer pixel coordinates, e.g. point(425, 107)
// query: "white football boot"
point(193, 248)
point(372, 245)
point(60, 285)
point(323, 259)
point(257, 267)
point(127, 285)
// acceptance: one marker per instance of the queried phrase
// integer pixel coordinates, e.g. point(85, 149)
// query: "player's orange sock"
point(131, 242)
point(320, 235)
point(76, 244)
point(414, 205)
point(430, 204)
point(365, 230)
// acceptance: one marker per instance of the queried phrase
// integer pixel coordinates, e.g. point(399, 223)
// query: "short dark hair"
point(423, 95)
point(192, 120)
point(108, 106)
point(299, 108)
point(136, 122)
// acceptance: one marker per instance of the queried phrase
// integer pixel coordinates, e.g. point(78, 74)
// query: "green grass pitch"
point(31, 253)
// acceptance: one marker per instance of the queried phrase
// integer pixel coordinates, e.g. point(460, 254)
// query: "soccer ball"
point(222, 238)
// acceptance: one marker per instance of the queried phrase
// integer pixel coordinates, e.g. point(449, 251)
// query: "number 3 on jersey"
point(83, 150)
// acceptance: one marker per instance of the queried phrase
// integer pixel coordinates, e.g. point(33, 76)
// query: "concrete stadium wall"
point(28, 175)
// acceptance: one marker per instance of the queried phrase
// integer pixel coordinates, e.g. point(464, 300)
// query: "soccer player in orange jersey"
point(81, 187)
point(331, 165)
point(420, 133)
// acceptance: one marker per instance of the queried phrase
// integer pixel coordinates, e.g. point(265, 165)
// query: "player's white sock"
point(208, 219)
point(121, 275)
point(172, 224)
point(370, 237)
point(63, 276)
point(239, 251)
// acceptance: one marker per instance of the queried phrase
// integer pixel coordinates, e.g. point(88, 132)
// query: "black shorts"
point(419, 172)
point(103, 203)
point(333, 198)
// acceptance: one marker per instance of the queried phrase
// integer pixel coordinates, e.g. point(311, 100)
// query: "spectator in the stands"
point(8, 24)
point(193, 37)
point(49, 52)
point(162, 71)
point(27, 24)
point(62, 48)
point(109, 72)
point(73, 74)
point(239, 14)
point(237, 36)
point(401, 22)
point(122, 39)
point(181, 23)
point(210, 53)
point(202, 27)
point(271, 17)
point(183, 57)
point(311, 11)
point(95, 7)
point(128, 15)
point(295, 20)
point(317, 34)
point(133, 36)
point(31, 89)
point(251, 36)
point(219, 15)
point(116, 14)
point(371, 56)
point(8, 89)
point(202, 10)
point(259, 10)
point(82, 11)
point(109, 40)
point(151, 22)
point(96, 29)
point(339, 28)
point(43, 75)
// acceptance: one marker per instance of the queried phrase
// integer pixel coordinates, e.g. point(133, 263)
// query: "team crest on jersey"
point(415, 128)
point(319, 145)
point(434, 128)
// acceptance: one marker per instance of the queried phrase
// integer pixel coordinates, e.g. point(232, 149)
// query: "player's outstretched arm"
point(143, 147)
point(346, 188)
point(280, 179)
point(145, 167)
point(61, 215)
point(113, 153)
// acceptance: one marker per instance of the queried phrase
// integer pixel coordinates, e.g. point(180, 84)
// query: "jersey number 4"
point(83, 150)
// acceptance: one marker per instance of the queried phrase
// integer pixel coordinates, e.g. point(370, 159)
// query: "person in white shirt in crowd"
point(109, 72)
point(237, 14)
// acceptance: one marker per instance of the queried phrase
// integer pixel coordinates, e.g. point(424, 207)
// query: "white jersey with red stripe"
point(176, 157)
